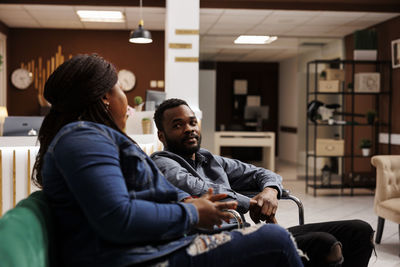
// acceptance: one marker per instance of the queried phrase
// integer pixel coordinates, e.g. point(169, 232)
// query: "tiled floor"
point(330, 205)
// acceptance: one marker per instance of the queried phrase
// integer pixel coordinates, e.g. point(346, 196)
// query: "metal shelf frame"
point(386, 90)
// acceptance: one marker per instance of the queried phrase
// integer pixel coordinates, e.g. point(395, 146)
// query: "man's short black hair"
point(167, 104)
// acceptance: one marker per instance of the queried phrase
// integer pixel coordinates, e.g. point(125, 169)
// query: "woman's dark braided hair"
point(75, 91)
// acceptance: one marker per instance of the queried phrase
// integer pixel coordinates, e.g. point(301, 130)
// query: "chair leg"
point(379, 230)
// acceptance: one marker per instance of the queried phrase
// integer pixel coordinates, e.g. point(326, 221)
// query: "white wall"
point(292, 99)
point(207, 95)
point(288, 108)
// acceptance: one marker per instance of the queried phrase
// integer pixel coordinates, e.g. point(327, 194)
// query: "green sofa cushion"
point(24, 233)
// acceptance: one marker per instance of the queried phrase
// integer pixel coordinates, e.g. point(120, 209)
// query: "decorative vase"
point(139, 107)
point(365, 151)
point(146, 126)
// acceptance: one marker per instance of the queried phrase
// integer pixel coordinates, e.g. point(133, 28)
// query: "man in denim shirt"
point(195, 170)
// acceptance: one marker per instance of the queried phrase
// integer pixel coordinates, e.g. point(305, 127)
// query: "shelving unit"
point(348, 165)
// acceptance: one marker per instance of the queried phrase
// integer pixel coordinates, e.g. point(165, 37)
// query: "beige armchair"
point(387, 194)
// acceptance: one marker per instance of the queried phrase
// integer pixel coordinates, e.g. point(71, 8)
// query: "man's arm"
point(243, 176)
point(179, 176)
point(247, 177)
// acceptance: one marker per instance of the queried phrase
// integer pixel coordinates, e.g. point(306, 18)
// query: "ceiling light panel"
point(255, 39)
point(100, 16)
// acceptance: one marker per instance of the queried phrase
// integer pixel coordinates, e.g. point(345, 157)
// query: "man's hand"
point(264, 205)
point(211, 211)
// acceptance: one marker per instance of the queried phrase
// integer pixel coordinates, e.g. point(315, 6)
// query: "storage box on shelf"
point(337, 137)
point(329, 147)
point(334, 74)
point(367, 82)
point(328, 86)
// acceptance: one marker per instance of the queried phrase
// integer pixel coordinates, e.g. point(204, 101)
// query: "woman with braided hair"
point(111, 205)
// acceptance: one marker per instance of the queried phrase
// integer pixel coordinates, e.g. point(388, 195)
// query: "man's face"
point(181, 133)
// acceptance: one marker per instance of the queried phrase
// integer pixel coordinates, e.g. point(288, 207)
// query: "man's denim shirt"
point(222, 174)
point(111, 204)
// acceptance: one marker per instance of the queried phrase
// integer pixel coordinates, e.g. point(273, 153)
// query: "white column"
point(181, 63)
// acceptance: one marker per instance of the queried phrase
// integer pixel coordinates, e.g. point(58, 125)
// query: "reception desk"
point(266, 140)
point(17, 157)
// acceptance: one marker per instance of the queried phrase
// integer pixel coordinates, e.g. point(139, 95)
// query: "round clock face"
point(127, 79)
point(21, 78)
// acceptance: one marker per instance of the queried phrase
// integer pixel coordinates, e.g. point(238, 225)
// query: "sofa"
point(387, 194)
point(25, 234)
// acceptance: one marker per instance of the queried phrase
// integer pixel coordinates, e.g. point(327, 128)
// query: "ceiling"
point(297, 31)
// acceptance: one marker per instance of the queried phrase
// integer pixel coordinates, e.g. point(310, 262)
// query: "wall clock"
point(21, 78)
point(127, 79)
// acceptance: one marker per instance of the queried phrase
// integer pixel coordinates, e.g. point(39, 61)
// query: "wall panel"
point(146, 61)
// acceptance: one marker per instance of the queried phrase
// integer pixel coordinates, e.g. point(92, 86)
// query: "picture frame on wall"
point(396, 53)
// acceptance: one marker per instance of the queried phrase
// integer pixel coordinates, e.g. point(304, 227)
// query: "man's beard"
point(178, 147)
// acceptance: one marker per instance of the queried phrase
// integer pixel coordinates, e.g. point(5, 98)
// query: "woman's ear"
point(105, 99)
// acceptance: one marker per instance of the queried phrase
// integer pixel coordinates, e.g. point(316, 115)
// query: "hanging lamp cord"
point(141, 14)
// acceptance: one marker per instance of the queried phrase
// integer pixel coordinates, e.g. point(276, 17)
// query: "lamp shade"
point(140, 36)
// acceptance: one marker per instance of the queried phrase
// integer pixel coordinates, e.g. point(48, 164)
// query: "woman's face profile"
point(118, 105)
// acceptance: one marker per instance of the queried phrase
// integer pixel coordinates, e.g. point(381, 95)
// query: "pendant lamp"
point(140, 35)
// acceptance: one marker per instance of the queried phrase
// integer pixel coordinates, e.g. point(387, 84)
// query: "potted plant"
point(138, 103)
point(365, 145)
point(371, 114)
point(350, 87)
point(146, 125)
point(322, 75)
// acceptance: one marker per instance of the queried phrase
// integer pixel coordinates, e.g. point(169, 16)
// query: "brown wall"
point(262, 80)
point(386, 32)
point(3, 28)
point(24, 45)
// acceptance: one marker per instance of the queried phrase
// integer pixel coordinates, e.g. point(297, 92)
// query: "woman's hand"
point(211, 211)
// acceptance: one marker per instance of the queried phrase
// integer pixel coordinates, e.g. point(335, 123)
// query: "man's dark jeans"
point(317, 239)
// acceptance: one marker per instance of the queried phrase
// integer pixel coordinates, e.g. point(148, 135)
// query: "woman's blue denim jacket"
point(111, 204)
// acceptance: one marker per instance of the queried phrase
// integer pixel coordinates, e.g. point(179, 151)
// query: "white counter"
point(266, 140)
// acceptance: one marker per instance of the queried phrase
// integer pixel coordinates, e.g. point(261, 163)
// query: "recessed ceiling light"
point(101, 16)
point(255, 39)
